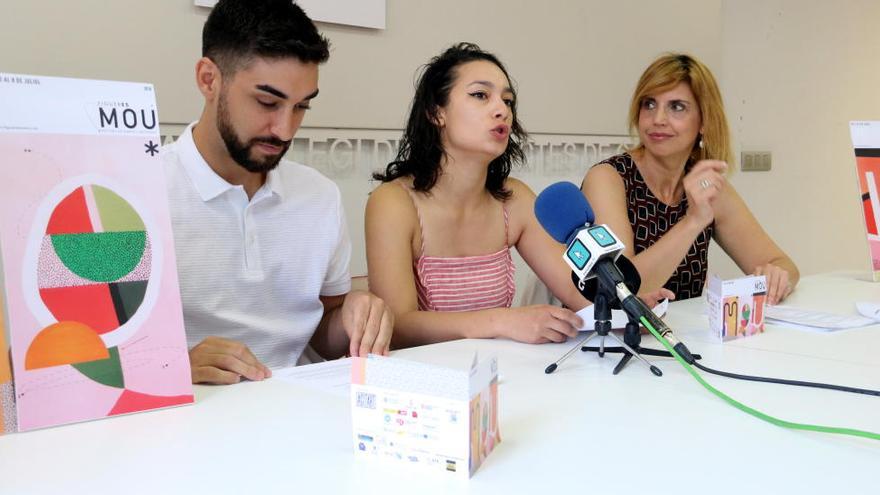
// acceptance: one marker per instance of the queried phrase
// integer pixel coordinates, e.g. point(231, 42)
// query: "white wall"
point(156, 41)
point(575, 62)
point(794, 74)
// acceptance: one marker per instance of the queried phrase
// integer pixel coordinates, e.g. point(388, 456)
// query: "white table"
point(578, 430)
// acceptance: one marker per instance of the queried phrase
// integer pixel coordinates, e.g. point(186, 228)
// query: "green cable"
point(748, 410)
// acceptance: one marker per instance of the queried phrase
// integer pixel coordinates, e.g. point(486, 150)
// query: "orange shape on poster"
point(65, 342)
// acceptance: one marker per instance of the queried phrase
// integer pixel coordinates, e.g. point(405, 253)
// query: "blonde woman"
point(668, 196)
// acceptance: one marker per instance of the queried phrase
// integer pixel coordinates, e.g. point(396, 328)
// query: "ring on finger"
point(706, 183)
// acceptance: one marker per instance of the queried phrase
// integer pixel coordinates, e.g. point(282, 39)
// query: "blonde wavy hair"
point(665, 73)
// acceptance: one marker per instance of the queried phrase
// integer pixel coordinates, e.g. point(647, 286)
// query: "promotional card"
point(423, 416)
point(736, 307)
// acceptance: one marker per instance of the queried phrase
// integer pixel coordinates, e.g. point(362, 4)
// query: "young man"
point(262, 246)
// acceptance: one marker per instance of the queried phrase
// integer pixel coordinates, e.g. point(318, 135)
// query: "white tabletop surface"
point(578, 430)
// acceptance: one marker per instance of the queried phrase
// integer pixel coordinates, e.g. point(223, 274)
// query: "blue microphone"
point(593, 251)
point(566, 215)
point(562, 210)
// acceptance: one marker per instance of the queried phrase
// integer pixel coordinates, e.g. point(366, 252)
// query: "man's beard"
point(241, 152)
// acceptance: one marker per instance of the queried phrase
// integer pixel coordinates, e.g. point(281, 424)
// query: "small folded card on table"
point(424, 416)
point(736, 307)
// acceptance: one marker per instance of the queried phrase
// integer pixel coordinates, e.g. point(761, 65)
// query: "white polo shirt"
point(252, 271)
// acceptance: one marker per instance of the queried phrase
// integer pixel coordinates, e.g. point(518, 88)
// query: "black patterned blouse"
point(651, 219)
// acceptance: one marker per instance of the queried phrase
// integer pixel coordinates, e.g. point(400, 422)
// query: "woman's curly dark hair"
point(421, 148)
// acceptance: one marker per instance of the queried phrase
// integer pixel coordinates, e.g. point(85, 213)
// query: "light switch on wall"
point(755, 161)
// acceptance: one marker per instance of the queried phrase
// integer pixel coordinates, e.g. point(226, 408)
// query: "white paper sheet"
point(618, 317)
point(804, 319)
point(869, 310)
point(333, 377)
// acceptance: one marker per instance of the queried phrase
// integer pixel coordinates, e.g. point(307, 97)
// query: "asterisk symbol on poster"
point(152, 148)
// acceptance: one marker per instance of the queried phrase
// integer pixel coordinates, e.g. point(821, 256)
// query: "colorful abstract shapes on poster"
point(5, 365)
point(131, 401)
point(95, 259)
point(88, 304)
point(88, 264)
point(869, 182)
point(7, 408)
point(70, 216)
point(870, 221)
point(102, 307)
point(116, 214)
point(868, 164)
point(105, 371)
point(66, 342)
point(7, 396)
point(866, 144)
point(100, 257)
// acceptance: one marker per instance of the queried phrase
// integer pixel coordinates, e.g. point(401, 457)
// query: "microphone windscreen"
point(561, 209)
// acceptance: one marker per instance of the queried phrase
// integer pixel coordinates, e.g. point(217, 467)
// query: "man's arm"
point(357, 323)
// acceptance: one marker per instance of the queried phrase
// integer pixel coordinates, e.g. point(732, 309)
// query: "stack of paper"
point(804, 319)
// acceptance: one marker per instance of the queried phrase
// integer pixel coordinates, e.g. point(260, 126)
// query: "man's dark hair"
point(239, 30)
point(421, 147)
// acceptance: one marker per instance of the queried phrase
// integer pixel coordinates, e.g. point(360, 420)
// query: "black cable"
point(839, 388)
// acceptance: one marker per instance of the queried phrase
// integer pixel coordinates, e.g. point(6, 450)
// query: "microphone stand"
point(632, 336)
point(602, 313)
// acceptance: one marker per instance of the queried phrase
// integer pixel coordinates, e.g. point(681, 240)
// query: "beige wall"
point(575, 61)
point(793, 73)
point(146, 41)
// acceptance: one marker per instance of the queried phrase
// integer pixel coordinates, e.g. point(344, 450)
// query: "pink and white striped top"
point(465, 283)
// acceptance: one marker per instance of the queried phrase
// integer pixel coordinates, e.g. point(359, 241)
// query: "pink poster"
point(90, 281)
point(7, 402)
point(866, 141)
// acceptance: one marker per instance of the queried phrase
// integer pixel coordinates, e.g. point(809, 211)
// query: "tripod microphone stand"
point(632, 336)
point(602, 301)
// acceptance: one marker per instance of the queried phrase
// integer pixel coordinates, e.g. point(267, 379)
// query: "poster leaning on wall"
point(93, 312)
point(7, 395)
point(866, 141)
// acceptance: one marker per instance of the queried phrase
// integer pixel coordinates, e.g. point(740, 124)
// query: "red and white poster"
point(866, 141)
